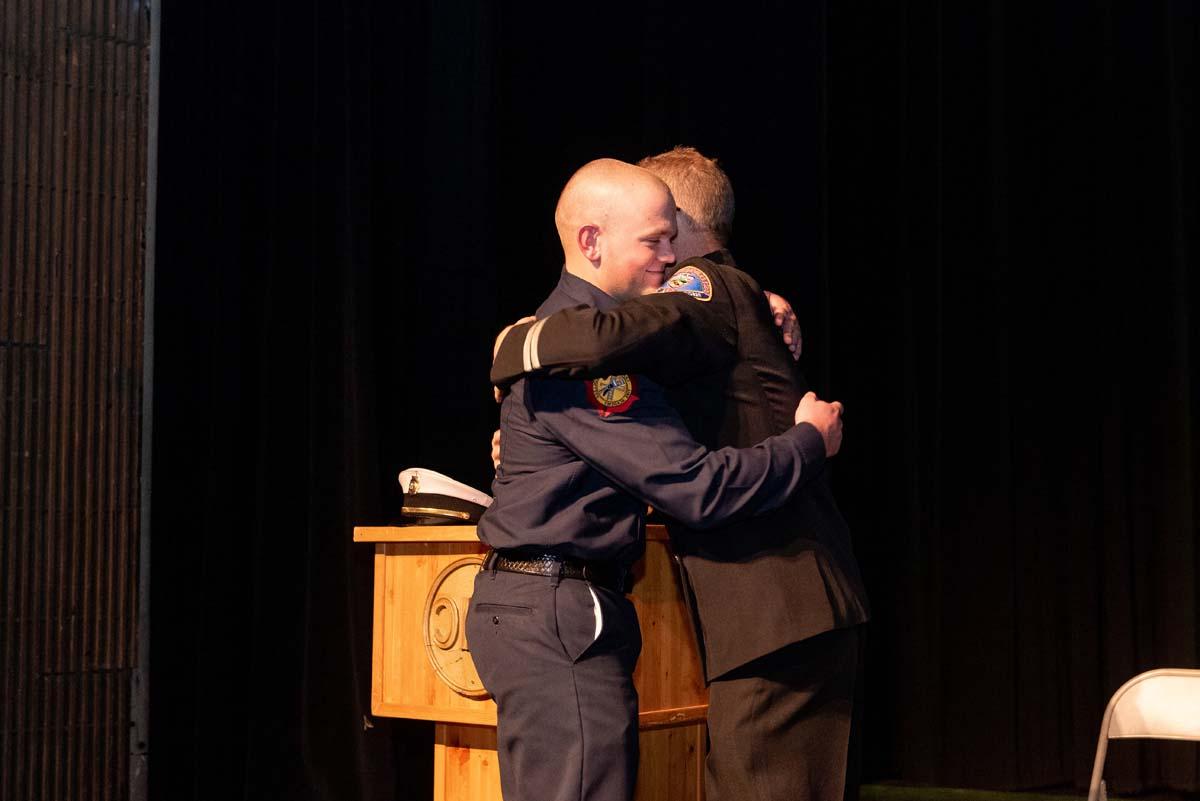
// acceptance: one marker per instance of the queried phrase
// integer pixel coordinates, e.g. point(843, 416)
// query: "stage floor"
point(907, 792)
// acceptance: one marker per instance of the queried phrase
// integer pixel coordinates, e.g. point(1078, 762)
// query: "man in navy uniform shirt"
point(778, 598)
point(552, 634)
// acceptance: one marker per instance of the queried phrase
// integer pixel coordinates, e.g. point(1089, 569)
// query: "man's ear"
point(588, 240)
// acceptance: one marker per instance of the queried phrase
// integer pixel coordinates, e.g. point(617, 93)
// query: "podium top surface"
point(654, 533)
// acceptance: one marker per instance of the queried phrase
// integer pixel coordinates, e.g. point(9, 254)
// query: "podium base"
point(670, 767)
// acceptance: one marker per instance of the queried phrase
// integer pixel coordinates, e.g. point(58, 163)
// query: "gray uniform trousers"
point(780, 726)
point(567, 709)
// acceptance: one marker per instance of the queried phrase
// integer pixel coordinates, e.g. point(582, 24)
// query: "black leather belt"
point(609, 575)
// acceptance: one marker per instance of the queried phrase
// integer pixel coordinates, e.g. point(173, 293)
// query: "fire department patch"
point(691, 281)
point(612, 394)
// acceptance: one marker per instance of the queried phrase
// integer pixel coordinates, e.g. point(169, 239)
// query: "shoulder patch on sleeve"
point(612, 394)
point(689, 280)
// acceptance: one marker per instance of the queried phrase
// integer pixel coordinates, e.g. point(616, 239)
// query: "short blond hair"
point(701, 188)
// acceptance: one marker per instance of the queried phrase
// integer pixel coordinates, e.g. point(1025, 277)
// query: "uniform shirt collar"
point(586, 293)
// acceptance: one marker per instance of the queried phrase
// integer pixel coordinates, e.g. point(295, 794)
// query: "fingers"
point(836, 429)
point(825, 416)
point(787, 322)
point(805, 406)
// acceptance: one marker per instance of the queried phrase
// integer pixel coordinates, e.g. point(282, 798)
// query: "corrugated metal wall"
point(73, 90)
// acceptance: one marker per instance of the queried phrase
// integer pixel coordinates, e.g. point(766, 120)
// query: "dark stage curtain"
point(1014, 315)
point(986, 217)
point(265, 452)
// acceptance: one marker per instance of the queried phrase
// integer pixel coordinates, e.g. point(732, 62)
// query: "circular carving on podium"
point(443, 623)
point(445, 627)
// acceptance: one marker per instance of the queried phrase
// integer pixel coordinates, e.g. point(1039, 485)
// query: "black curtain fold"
point(267, 453)
point(1015, 203)
point(985, 215)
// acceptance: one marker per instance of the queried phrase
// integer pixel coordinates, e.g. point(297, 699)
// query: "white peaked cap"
point(428, 482)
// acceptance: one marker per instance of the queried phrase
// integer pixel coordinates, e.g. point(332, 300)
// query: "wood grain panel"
point(671, 764)
point(73, 147)
point(404, 682)
point(465, 764)
point(452, 534)
point(668, 674)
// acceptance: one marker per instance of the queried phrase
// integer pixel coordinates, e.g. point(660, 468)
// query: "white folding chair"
point(1158, 704)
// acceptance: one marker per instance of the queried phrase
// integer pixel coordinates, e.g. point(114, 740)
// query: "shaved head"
point(596, 188)
point(616, 223)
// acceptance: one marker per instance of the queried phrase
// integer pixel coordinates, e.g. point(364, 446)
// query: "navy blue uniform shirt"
point(580, 461)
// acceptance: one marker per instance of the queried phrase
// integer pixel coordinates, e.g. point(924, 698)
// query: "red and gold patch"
point(612, 394)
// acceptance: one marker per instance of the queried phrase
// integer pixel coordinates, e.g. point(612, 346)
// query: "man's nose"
point(668, 254)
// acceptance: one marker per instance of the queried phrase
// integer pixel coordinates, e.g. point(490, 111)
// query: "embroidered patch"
point(691, 281)
point(612, 394)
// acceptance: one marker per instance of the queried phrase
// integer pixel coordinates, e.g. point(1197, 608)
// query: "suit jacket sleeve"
point(669, 337)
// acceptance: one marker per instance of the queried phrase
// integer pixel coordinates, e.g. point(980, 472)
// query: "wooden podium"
point(421, 664)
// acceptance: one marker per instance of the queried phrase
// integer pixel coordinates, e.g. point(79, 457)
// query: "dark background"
point(985, 215)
